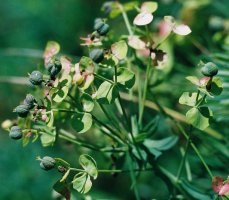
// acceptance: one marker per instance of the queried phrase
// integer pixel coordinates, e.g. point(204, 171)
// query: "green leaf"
point(62, 163)
point(216, 87)
point(82, 122)
point(51, 49)
point(193, 79)
point(197, 119)
point(87, 102)
point(82, 182)
point(107, 93)
point(51, 119)
point(63, 189)
point(130, 5)
point(87, 64)
point(48, 138)
point(119, 49)
point(125, 77)
point(163, 144)
point(65, 175)
point(63, 86)
point(194, 192)
point(89, 165)
point(189, 100)
point(149, 7)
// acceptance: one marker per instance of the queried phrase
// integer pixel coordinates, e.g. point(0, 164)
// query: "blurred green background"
point(26, 26)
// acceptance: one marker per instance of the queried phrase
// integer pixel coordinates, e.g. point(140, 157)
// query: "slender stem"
point(183, 158)
point(114, 170)
point(115, 136)
point(103, 78)
point(142, 103)
point(115, 73)
point(194, 148)
point(126, 20)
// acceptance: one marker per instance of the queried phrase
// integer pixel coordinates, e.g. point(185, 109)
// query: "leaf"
point(63, 86)
point(192, 191)
point(51, 49)
point(62, 163)
point(163, 144)
point(65, 175)
point(87, 64)
point(87, 102)
point(130, 5)
point(193, 79)
point(136, 43)
point(125, 77)
point(149, 6)
point(197, 119)
point(51, 119)
point(189, 100)
point(143, 19)
point(216, 87)
point(63, 189)
point(106, 93)
point(82, 182)
point(87, 82)
point(89, 165)
point(182, 30)
point(82, 122)
point(48, 138)
point(119, 49)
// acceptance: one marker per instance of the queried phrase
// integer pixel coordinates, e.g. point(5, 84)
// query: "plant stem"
point(184, 157)
point(103, 78)
point(142, 103)
point(194, 148)
point(125, 18)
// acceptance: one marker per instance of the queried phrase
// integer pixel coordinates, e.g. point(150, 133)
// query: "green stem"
point(142, 102)
point(126, 20)
point(103, 78)
point(194, 148)
point(183, 158)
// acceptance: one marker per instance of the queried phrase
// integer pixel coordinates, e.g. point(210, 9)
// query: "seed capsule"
point(22, 110)
point(29, 101)
point(104, 29)
point(47, 163)
point(15, 133)
point(36, 78)
point(98, 24)
point(54, 67)
point(209, 69)
point(96, 55)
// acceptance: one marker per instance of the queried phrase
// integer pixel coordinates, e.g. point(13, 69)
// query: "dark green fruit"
point(209, 69)
point(54, 67)
point(36, 78)
point(22, 110)
point(98, 24)
point(96, 55)
point(103, 30)
point(47, 163)
point(29, 101)
point(15, 133)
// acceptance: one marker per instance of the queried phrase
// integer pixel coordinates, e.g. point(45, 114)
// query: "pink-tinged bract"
point(143, 19)
point(182, 29)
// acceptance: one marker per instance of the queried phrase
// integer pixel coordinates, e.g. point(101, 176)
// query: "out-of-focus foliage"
point(27, 25)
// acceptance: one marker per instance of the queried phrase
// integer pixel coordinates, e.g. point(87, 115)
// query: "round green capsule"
point(103, 30)
point(22, 110)
point(29, 101)
point(36, 78)
point(15, 133)
point(96, 55)
point(54, 67)
point(209, 69)
point(47, 163)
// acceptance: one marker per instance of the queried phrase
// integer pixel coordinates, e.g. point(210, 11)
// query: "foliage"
point(104, 96)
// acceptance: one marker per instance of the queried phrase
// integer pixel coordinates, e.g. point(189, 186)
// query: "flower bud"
point(15, 133)
point(36, 78)
point(209, 69)
point(98, 24)
point(22, 110)
point(96, 55)
point(47, 163)
point(6, 124)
